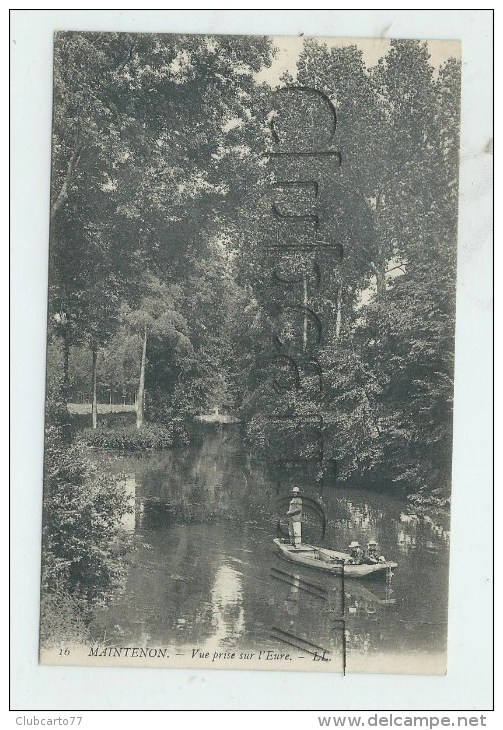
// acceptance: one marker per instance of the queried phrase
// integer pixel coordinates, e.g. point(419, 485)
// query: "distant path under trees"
point(84, 408)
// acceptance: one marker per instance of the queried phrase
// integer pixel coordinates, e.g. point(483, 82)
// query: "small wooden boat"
point(330, 561)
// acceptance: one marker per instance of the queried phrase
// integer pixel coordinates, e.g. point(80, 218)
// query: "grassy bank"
point(128, 437)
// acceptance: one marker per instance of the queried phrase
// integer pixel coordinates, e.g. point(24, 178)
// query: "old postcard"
point(250, 352)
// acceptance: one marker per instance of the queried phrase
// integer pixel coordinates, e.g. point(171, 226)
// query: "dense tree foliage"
point(388, 350)
point(147, 160)
point(161, 220)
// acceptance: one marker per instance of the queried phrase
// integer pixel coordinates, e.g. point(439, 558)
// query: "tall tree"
point(147, 130)
point(388, 367)
point(157, 317)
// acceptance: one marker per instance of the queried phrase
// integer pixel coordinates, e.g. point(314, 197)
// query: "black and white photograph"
point(250, 352)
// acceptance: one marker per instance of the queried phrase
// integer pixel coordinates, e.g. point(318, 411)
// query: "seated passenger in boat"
point(372, 557)
point(355, 554)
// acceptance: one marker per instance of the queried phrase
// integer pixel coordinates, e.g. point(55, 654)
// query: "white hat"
point(372, 542)
point(355, 543)
point(295, 490)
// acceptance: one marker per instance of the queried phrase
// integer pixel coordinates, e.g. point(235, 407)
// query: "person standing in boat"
point(294, 515)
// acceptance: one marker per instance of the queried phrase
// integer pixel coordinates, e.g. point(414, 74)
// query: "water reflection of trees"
point(360, 518)
point(205, 483)
point(414, 530)
point(228, 617)
point(212, 580)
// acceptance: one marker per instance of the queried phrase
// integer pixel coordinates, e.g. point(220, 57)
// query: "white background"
point(468, 684)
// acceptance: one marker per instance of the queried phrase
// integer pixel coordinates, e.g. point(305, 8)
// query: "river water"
point(205, 573)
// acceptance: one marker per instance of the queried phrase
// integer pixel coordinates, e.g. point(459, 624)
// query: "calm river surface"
point(205, 573)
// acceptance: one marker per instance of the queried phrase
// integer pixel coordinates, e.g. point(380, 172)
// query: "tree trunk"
point(338, 314)
point(66, 424)
point(95, 399)
point(381, 280)
point(381, 266)
point(70, 172)
point(304, 301)
point(140, 400)
point(66, 369)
